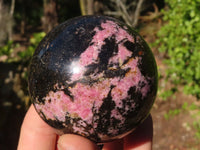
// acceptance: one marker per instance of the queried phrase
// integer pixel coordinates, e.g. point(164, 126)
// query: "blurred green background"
point(171, 28)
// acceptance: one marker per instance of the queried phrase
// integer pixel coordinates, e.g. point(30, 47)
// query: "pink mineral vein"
point(86, 97)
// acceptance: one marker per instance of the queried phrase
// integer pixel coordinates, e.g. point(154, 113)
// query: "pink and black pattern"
point(93, 76)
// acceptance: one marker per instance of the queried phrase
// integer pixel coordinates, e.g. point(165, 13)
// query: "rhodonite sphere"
point(93, 76)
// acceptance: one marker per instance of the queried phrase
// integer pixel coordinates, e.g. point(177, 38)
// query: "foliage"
point(196, 113)
point(7, 49)
point(179, 39)
point(34, 41)
point(185, 107)
point(172, 113)
point(194, 110)
point(25, 55)
point(197, 127)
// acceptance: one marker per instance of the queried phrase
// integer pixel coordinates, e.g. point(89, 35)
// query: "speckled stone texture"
point(93, 76)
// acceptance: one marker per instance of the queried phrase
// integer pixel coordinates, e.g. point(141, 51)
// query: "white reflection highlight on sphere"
point(76, 68)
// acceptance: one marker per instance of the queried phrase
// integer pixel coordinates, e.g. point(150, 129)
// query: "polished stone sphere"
point(93, 76)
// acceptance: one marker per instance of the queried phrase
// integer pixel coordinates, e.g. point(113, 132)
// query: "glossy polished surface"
point(93, 76)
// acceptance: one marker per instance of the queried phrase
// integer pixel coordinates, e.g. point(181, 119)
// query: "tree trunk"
point(6, 22)
point(10, 28)
point(137, 12)
point(49, 19)
point(87, 7)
